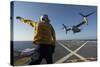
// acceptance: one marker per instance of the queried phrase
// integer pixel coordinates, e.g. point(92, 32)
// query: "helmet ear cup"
point(43, 19)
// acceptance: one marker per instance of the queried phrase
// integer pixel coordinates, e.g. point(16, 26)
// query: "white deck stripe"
point(71, 53)
point(80, 47)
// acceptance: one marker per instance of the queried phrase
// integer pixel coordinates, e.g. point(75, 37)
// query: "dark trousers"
point(46, 52)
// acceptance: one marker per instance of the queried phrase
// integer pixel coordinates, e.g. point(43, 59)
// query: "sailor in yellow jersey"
point(44, 37)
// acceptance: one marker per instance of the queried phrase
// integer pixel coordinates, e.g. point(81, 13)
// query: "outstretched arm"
point(27, 21)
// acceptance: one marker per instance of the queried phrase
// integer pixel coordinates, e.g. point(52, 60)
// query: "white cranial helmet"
point(44, 18)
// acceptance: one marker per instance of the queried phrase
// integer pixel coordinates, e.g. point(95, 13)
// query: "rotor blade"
point(90, 14)
point(63, 24)
point(81, 14)
point(66, 32)
point(87, 14)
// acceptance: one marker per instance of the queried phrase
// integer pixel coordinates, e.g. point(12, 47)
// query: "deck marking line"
point(71, 53)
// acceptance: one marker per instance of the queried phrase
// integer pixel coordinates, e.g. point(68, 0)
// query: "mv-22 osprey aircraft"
point(75, 28)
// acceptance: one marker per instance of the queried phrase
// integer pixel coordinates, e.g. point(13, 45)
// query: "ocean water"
point(21, 45)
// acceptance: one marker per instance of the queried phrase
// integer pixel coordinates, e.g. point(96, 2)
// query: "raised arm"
point(27, 21)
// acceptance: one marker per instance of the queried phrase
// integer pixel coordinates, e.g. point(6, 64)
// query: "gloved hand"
point(18, 17)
